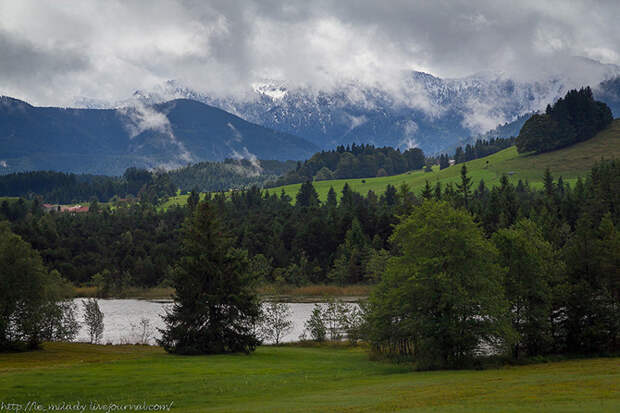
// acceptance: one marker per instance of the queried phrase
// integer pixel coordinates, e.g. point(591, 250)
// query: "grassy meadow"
point(299, 379)
point(570, 163)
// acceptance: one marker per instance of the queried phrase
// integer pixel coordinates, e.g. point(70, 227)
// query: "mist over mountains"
point(174, 125)
point(107, 141)
point(424, 111)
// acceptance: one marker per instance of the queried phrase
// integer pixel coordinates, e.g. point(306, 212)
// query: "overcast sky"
point(54, 52)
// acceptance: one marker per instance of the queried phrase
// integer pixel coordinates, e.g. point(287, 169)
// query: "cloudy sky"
point(52, 53)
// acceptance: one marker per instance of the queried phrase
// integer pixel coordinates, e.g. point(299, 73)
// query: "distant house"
point(451, 162)
point(50, 207)
point(76, 209)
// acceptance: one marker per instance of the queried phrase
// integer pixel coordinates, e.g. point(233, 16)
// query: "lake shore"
point(269, 292)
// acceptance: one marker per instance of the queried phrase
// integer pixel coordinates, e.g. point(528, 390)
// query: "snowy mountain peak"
point(444, 111)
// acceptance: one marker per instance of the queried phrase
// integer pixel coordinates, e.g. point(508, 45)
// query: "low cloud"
point(55, 52)
point(256, 169)
point(355, 121)
point(237, 137)
point(410, 128)
point(140, 118)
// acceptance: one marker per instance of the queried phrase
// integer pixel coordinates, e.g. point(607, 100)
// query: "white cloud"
point(256, 169)
point(53, 52)
point(139, 118)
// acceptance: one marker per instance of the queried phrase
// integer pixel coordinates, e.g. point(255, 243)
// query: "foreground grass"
point(299, 380)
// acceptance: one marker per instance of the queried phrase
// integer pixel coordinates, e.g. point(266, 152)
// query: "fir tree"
point(215, 308)
point(464, 188)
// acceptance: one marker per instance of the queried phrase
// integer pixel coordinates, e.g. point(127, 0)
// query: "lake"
point(122, 320)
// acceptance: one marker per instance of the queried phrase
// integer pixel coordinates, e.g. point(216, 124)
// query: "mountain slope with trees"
point(570, 162)
point(108, 141)
point(354, 161)
point(575, 118)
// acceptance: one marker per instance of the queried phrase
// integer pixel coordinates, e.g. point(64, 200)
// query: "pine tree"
point(427, 192)
point(464, 188)
point(307, 196)
point(332, 199)
point(438, 191)
point(193, 199)
point(215, 308)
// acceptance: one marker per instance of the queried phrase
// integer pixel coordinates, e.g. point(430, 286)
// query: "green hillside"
point(570, 163)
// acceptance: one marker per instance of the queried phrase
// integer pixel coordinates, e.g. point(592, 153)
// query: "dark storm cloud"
point(65, 49)
point(27, 66)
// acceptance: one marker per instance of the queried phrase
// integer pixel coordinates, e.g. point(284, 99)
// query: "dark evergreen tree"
point(193, 199)
point(444, 161)
point(216, 308)
point(464, 187)
point(332, 198)
point(307, 196)
point(427, 192)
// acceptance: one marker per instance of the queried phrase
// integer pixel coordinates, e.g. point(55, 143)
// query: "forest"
point(574, 118)
point(552, 253)
point(342, 240)
point(354, 161)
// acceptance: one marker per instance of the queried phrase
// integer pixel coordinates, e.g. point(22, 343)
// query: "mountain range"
point(107, 141)
point(422, 110)
point(173, 125)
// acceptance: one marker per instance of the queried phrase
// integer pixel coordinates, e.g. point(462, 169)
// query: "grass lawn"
point(296, 379)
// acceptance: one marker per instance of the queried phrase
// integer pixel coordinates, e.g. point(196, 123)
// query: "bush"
point(275, 321)
point(315, 325)
point(93, 318)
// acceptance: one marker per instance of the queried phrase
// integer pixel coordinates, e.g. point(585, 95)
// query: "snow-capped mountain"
point(421, 110)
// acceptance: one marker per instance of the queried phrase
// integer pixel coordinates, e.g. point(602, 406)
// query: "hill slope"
point(107, 141)
point(569, 163)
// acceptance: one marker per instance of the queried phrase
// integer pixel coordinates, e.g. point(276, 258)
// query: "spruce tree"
point(427, 192)
point(215, 308)
point(464, 188)
point(307, 196)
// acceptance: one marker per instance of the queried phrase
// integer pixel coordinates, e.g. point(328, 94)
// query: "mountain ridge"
point(107, 141)
point(426, 111)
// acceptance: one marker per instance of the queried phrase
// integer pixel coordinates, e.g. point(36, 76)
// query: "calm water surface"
point(122, 317)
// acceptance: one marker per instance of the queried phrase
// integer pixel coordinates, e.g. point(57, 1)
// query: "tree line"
point(229, 174)
point(60, 187)
point(458, 270)
point(479, 149)
point(354, 161)
point(574, 118)
point(344, 239)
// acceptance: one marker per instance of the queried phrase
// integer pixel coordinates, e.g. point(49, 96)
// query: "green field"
point(570, 163)
point(297, 379)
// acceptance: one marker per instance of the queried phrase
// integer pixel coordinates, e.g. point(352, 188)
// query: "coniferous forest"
point(574, 118)
point(552, 253)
